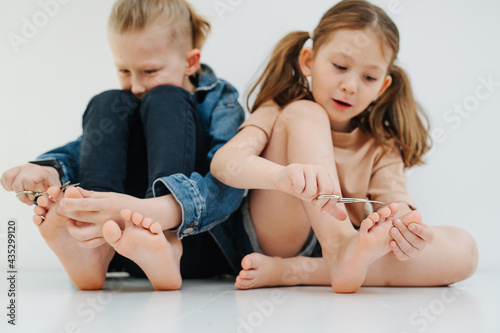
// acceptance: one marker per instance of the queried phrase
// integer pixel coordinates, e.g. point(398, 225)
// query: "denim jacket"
point(204, 201)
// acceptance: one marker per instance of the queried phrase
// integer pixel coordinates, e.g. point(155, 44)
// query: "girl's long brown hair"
point(395, 115)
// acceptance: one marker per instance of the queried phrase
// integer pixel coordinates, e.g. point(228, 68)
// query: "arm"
point(239, 163)
point(69, 156)
point(31, 177)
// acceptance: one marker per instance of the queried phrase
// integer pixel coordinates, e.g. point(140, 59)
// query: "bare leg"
point(142, 241)
point(351, 264)
point(86, 267)
point(450, 258)
point(282, 232)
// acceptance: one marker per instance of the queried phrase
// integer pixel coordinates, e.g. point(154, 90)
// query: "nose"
point(349, 85)
point(138, 87)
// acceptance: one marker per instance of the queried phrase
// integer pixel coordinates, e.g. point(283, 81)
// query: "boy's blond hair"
point(184, 23)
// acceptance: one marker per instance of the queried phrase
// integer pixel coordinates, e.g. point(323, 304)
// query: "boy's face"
point(146, 59)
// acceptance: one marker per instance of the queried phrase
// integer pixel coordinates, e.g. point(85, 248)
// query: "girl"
point(351, 131)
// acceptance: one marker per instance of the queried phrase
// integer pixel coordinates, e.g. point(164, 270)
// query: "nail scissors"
point(39, 194)
point(347, 200)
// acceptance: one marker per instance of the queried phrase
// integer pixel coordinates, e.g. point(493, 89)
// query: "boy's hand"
point(410, 235)
point(30, 177)
point(306, 182)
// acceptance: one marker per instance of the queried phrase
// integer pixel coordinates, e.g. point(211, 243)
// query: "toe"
point(249, 261)
point(111, 232)
point(72, 193)
point(394, 209)
point(412, 217)
point(126, 214)
point(54, 192)
point(43, 201)
point(366, 225)
point(37, 220)
point(248, 274)
point(155, 228)
point(137, 218)
point(146, 222)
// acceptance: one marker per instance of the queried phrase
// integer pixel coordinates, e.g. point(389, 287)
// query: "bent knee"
point(467, 254)
point(166, 92)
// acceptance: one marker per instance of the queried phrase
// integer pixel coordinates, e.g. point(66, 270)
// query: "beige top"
point(365, 169)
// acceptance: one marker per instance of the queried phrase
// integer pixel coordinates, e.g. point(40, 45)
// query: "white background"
point(446, 47)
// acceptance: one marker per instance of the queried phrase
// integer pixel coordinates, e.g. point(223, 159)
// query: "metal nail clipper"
point(39, 194)
point(347, 200)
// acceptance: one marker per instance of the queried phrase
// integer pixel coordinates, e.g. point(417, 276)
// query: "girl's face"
point(145, 59)
point(347, 74)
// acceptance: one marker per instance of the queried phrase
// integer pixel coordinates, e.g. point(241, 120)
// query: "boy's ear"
point(387, 83)
point(192, 61)
point(305, 60)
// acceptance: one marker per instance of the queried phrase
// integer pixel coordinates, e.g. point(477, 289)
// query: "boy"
point(166, 123)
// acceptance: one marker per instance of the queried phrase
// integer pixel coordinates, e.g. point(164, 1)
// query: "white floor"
point(47, 302)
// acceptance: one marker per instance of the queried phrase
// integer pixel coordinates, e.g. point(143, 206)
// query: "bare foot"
point(349, 263)
point(85, 267)
point(264, 271)
point(143, 242)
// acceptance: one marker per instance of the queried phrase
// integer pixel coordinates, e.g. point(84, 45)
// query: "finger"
point(85, 233)
point(84, 204)
point(24, 199)
point(92, 194)
point(422, 230)
point(400, 255)
point(403, 244)
point(8, 178)
point(413, 239)
point(311, 184)
point(325, 186)
point(297, 178)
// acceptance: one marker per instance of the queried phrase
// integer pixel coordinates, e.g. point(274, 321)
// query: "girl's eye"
point(150, 71)
point(342, 68)
point(370, 78)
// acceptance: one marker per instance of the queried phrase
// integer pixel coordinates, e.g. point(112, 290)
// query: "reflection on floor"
point(47, 302)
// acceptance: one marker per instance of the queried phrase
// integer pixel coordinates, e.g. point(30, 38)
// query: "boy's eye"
point(150, 71)
point(124, 71)
point(342, 68)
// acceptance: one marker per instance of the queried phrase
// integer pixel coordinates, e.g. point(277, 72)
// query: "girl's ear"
point(192, 61)
point(385, 85)
point(305, 60)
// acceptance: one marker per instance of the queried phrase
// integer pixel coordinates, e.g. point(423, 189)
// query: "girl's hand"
point(306, 182)
point(410, 235)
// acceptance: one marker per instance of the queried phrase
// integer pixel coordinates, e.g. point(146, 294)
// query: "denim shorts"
point(236, 238)
point(306, 251)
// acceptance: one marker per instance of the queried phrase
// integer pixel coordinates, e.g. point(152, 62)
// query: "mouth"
point(341, 103)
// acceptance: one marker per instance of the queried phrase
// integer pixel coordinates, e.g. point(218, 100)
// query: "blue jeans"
point(128, 143)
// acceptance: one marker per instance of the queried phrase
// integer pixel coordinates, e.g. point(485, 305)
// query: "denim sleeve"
point(68, 155)
point(204, 200)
